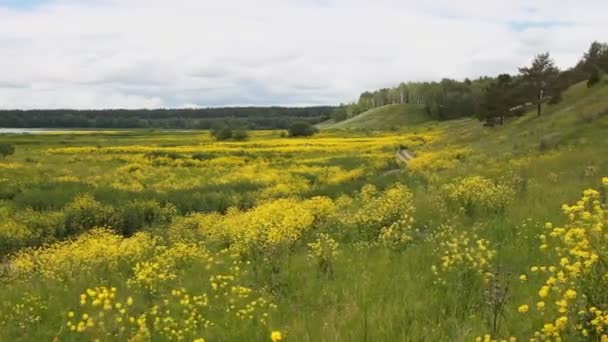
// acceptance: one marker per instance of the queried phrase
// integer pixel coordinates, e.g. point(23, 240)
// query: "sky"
point(102, 54)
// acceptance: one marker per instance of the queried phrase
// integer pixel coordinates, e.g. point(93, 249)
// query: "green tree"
point(539, 77)
point(595, 77)
point(339, 113)
point(404, 95)
point(6, 150)
point(498, 99)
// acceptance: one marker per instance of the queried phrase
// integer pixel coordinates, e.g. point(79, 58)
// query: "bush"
point(202, 156)
point(13, 234)
point(163, 154)
point(45, 225)
point(223, 133)
point(302, 129)
point(6, 150)
point(557, 98)
point(84, 213)
point(240, 135)
point(550, 141)
point(140, 213)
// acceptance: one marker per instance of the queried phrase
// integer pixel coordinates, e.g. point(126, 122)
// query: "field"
point(173, 236)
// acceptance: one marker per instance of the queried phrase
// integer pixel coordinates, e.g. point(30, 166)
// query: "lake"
point(29, 130)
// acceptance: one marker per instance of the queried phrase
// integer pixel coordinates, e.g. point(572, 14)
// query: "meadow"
point(487, 234)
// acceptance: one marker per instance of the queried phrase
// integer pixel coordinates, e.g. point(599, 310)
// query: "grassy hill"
point(383, 118)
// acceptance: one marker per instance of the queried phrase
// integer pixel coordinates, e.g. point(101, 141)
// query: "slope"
point(383, 118)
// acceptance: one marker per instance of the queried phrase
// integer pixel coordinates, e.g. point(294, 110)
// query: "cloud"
point(153, 53)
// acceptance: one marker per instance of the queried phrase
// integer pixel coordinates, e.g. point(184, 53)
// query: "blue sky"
point(22, 4)
point(189, 53)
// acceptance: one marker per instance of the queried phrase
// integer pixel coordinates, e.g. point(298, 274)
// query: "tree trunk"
point(540, 100)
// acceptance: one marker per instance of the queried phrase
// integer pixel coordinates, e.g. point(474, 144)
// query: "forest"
point(489, 98)
point(237, 117)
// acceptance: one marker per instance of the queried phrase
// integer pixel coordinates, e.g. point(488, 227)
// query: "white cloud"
point(151, 53)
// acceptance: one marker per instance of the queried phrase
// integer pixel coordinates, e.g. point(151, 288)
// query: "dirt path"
point(405, 156)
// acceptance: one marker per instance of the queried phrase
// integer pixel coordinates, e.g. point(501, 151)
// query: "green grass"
point(377, 294)
point(389, 117)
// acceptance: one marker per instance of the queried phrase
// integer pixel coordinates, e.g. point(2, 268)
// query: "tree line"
point(207, 118)
point(490, 99)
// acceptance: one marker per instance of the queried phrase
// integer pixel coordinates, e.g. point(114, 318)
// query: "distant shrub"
point(224, 133)
point(302, 129)
point(45, 225)
point(9, 190)
point(49, 195)
point(283, 134)
point(6, 150)
point(550, 141)
point(585, 117)
point(163, 154)
point(13, 234)
point(557, 98)
point(140, 213)
point(240, 135)
point(202, 156)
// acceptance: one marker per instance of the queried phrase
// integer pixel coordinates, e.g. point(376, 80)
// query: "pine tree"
point(539, 77)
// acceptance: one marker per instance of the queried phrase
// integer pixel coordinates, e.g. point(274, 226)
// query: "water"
point(27, 130)
point(67, 130)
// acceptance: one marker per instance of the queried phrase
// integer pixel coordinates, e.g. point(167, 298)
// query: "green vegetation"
point(301, 129)
point(389, 117)
point(6, 150)
point(424, 254)
point(207, 118)
point(488, 233)
point(595, 77)
point(491, 99)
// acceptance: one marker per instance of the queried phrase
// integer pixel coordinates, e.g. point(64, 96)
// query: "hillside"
point(383, 118)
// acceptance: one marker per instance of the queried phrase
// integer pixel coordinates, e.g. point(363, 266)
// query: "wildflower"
point(523, 308)
point(523, 278)
point(276, 336)
point(540, 305)
point(544, 292)
point(570, 294)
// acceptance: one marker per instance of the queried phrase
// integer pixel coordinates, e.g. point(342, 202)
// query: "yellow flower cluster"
point(574, 292)
point(477, 193)
point(387, 216)
point(461, 251)
point(428, 163)
point(267, 228)
point(94, 249)
point(324, 249)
